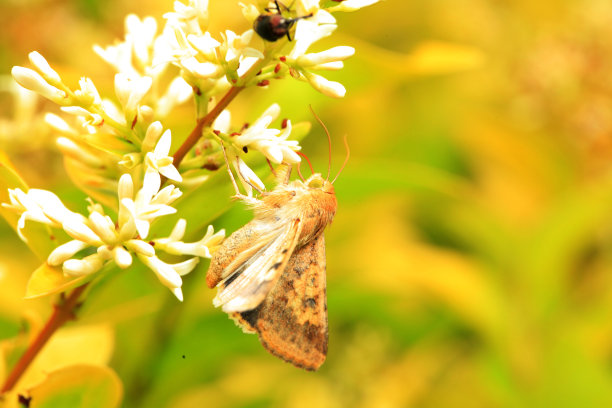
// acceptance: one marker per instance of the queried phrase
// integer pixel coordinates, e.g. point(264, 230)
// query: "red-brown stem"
point(62, 312)
point(210, 117)
point(207, 120)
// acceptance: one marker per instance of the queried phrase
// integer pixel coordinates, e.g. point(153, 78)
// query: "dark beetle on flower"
point(273, 26)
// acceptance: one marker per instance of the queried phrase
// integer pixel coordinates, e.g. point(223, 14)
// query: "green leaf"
point(77, 386)
point(48, 279)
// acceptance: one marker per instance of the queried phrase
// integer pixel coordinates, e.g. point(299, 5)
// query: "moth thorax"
point(317, 210)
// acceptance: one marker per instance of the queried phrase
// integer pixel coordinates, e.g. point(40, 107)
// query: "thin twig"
point(62, 312)
point(210, 117)
point(207, 120)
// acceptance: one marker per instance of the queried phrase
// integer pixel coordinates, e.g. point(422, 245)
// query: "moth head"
point(317, 181)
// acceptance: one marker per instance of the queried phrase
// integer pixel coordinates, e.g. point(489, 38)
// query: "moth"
point(270, 274)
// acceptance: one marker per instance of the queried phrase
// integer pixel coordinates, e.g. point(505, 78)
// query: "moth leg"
point(229, 171)
point(283, 174)
point(247, 180)
point(271, 168)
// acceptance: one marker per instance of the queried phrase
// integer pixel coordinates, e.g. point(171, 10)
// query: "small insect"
point(273, 26)
point(270, 274)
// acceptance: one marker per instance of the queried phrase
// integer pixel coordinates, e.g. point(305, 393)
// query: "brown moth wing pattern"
point(292, 320)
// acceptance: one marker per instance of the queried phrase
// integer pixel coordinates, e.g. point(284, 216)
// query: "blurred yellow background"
point(470, 261)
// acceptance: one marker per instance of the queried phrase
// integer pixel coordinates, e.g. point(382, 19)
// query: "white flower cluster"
point(98, 240)
point(112, 144)
point(272, 143)
point(317, 23)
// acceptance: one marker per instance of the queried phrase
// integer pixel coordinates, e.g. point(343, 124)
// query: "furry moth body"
point(270, 274)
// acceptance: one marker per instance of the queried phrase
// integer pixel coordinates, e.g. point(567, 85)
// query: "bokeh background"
point(470, 261)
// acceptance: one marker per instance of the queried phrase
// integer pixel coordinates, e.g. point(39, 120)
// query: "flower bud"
point(331, 55)
point(85, 266)
point(31, 80)
point(65, 251)
point(325, 86)
point(43, 67)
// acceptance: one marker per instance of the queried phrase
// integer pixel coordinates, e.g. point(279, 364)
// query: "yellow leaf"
point(91, 345)
point(48, 279)
point(79, 386)
point(38, 236)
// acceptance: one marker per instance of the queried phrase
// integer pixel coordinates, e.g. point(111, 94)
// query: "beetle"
point(272, 26)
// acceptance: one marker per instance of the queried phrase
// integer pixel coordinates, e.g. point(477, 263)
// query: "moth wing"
point(238, 250)
point(292, 320)
point(247, 287)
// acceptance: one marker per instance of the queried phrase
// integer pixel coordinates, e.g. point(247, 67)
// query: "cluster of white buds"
point(272, 143)
point(315, 23)
point(98, 240)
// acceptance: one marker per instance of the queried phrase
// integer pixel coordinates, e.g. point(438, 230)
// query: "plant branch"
point(210, 117)
point(207, 120)
point(62, 312)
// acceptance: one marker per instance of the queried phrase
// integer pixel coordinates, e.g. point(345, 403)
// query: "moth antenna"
point(245, 179)
point(328, 141)
point(271, 168)
point(229, 170)
point(308, 160)
point(348, 154)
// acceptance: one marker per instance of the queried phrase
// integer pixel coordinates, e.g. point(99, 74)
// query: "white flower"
point(235, 47)
point(154, 132)
point(205, 45)
point(85, 266)
point(141, 34)
point(31, 80)
point(116, 242)
point(325, 86)
point(193, 17)
point(202, 248)
point(323, 58)
point(200, 70)
point(247, 177)
point(159, 160)
point(131, 90)
point(89, 118)
point(310, 30)
point(249, 11)
point(43, 67)
point(119, 56)
point(65, 251)
point(141, 53)
point(352, 5)
point(301, 64)
point(305, 7)
point(149, 203)
point(88, 94)
point(170, 274)
point(272, 143)
point(40, 206)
